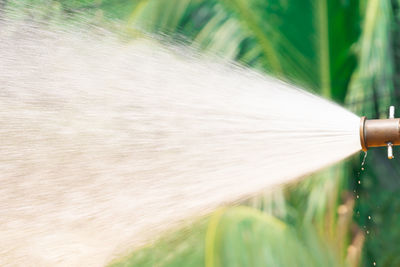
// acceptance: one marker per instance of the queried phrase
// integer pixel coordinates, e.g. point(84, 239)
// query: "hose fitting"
point(381, 132)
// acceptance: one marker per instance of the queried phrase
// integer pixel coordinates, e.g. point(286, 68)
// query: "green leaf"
point(238, 236)
point(373, 80)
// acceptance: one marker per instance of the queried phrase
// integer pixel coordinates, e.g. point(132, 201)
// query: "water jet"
point(97, 158)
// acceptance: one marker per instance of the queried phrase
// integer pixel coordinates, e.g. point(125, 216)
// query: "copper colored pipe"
point(378, 133)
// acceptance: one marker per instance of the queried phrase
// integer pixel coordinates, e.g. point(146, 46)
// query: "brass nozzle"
point(378, 133)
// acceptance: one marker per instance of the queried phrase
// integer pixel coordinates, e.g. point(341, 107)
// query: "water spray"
point(380, 132)
point(113, 155)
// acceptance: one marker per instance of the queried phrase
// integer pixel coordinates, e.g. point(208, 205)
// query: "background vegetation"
point(346, 50)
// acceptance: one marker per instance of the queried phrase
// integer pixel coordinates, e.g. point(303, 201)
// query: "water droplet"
point(374, 263)
point(358, 196)
point(369, 217)
point(359, 181)
point(365, 156)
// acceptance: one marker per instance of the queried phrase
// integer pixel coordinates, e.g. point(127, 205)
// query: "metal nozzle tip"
point(380, 133)
point(390, 151)
point(391, 112)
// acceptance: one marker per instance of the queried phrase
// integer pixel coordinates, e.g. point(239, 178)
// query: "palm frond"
point(373, 80)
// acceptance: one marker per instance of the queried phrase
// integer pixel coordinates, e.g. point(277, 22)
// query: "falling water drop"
point(365, 157)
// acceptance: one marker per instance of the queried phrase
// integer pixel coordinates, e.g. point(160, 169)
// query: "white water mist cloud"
point(105, 144)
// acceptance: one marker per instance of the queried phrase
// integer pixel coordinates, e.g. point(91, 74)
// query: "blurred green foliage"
point(270, 35)
point(346, 50)
point(240, 236)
